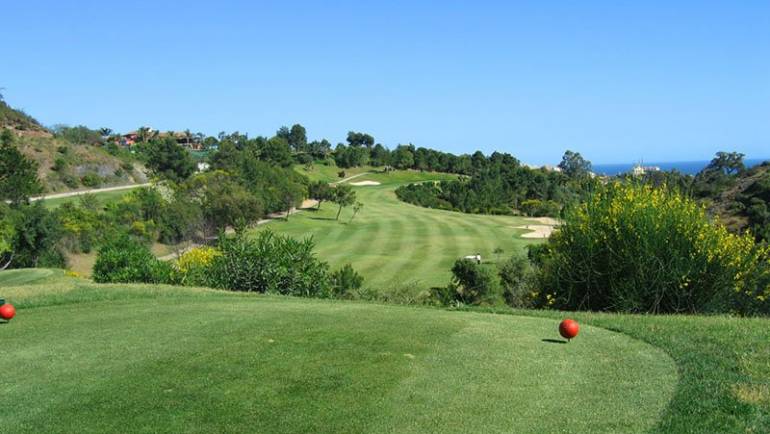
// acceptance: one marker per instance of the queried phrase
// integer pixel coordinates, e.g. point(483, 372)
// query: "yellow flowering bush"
point(193, 264)
point(633, 247)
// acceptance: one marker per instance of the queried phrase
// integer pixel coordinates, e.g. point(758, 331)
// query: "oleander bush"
point(636, 248)
point(269, 263)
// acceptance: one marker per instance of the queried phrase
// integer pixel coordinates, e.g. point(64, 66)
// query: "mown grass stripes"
point(393, 244)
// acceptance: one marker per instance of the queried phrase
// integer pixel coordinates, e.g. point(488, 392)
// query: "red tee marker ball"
point(7, 311)
point(568, 329)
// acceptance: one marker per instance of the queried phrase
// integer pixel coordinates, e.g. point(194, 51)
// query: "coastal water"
point(687, 167)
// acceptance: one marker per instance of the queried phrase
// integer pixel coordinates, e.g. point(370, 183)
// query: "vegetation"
point(269, 263)
point(168, 160)
point(124, 260)
point(501, 185)
point(18, 175)
point(637, 248)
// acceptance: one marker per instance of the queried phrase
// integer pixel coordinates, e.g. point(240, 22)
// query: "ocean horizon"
point(686, 167)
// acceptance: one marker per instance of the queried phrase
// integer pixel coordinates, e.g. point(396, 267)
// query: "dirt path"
point(92, 191)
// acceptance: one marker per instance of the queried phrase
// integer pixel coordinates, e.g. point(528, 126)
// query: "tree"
point(277, 151)
point(343, 195)
point(37, 232)
point(18, 174)
point(7, 234)
point(319, 191)
point(166, 159)
point(297, 138)
point(292, 193)
point(360, 139)
point(224, 201)
point(402, 157)
point(358, 206)
point(379, 156)
point(574, 165)
point(728, 163)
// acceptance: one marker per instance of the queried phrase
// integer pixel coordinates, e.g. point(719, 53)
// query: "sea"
point(686, 167)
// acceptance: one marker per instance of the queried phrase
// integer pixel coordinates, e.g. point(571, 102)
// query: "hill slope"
point(398, 247)
point(65, 165)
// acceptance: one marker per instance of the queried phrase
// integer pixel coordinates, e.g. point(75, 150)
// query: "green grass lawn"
point(399, 247)
point(102, 197)
point(82, 357)
point(322, 172)
point(86, 358)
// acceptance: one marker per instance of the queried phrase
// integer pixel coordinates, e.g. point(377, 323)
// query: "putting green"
point(207, 361)
point(399, 247)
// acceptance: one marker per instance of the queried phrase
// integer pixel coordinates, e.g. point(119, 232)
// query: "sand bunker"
point(543, 229)
point(362, 183)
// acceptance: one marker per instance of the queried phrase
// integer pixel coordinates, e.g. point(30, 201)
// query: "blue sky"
point(618, 81)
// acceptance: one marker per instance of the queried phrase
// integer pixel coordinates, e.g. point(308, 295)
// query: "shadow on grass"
point(322, 218)
point(554, 341)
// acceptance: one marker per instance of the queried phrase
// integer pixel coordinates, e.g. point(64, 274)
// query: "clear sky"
point(616, 80)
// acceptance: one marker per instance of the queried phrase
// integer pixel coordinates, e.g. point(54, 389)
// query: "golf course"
point(397, 246)
point(82, 357)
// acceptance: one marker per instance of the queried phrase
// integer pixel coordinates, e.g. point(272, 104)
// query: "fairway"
point(184, 360)
point(401, 247)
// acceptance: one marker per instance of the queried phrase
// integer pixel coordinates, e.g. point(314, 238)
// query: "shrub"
point(269, 263)
point(91, 180)
point(193, 266)
point(540, 208)
point(36, 235)
point(643, 249)
point(125, 260)
point(517, 278)
point(59, 164)
point(471, 284)
point(69, 180)
point(345, 280)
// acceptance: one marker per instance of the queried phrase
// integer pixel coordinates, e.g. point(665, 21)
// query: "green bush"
point(540, 208)
point(471, 284)
point(517, 280)
point(125, 260)
point(91, 180)
point(642, 249)
point(269, 263)
point(345, 280)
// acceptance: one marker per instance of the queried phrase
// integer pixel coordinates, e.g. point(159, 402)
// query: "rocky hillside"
point(746, 203)
point(67, 162)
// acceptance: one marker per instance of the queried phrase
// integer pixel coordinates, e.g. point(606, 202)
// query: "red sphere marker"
point(568, 329)
point(7, 311)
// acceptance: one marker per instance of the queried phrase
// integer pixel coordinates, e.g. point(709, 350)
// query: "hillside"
point(65, 162)
point(401, 249)
point(20, 122)
point(745, 204)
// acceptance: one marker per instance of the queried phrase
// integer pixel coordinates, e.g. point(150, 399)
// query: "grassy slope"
point(723, 364)
point(321, 172)
point(398, 246)
point(86, 358)
point(103, 198)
